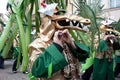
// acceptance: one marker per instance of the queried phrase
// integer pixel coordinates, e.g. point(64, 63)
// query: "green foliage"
point(93, 12)
point(22, 16)
point(6, 31)
point(116, 25)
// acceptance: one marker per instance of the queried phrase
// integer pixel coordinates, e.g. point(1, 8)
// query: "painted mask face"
point(68, 21)
point(65, 21)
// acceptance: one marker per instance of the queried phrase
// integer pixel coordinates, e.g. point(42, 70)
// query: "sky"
point(3, 4)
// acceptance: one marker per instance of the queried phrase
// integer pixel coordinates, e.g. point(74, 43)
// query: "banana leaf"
point(9, 42)
point(5, 33)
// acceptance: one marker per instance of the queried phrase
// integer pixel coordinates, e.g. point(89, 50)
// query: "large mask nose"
point(85, 21)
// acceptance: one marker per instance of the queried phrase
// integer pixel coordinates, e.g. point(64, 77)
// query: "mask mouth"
point(70, 24)
point(108, 30)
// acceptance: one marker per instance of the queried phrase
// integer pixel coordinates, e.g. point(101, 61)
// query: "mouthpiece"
point(111, 41)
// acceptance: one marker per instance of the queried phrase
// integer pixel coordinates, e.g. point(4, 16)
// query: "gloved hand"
point(57, 38)
point(63, 35)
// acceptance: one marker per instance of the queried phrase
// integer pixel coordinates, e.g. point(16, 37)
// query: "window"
point(114, 3)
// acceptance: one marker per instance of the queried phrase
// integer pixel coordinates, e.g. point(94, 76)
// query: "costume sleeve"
point(16, 52)
point(116, 45)
point(102, 46)
point(49, 62)
point(82, 51)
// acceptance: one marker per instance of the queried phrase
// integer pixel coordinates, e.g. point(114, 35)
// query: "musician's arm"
point(81, 52)
point(116, 45)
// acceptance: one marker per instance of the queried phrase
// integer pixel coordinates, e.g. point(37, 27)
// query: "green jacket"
point(16, 52)
point(102, 68)
point(52, 60)
point(117, 59)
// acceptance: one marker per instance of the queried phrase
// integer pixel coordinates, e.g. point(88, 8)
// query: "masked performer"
point(55, 56)
point(103, 62)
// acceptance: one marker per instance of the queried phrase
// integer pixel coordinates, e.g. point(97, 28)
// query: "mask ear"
point(60, 12)
point(46, 29)
point(48, 9)
point(46, 22)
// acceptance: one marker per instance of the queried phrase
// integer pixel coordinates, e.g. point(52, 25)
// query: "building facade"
point(111, 9)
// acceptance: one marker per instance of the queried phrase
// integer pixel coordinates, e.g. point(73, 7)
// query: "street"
point(7, 74)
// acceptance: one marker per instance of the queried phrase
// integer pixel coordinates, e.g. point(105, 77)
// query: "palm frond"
point(92, 11)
